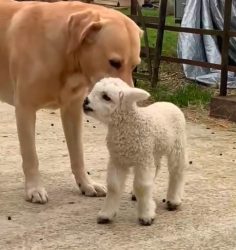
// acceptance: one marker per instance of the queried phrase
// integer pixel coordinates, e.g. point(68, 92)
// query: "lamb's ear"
point(135, 95)
point(82, 26)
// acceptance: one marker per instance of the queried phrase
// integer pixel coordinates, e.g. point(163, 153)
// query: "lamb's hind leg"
point(176, 166)
point(157, 165)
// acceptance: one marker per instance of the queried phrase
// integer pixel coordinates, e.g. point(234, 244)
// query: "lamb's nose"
point(86, 102)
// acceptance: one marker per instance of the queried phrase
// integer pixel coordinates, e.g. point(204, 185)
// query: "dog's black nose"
point(86, 102)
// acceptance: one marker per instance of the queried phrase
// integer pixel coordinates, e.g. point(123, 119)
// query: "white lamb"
point(138, 137)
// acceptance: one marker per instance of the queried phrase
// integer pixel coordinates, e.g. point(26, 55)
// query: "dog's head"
point(106, 43)
point(110, 95)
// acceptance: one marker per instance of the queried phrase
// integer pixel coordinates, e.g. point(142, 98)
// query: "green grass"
point(184, 96)
point(170, 38)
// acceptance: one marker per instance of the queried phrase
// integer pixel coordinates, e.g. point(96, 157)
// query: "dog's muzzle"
point(86, 107)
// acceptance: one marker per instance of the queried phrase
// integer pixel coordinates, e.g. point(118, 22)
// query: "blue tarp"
point(207, 14)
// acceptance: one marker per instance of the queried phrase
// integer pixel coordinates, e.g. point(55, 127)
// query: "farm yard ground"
point(207, 219)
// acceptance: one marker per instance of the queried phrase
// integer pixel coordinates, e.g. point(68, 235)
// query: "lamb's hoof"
point(171, 206)
point(103, 220)
point(146, 221)
point(133, 198)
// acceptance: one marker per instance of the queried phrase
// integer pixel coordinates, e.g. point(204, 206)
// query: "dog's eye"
point(115, 63)
point(106, 97)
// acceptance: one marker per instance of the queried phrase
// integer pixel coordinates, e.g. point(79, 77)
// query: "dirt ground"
point(207, 219)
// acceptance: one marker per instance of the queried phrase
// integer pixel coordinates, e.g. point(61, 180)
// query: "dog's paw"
point(172, 206)
point(146, 221)
point(36, 195)
point(93, 190)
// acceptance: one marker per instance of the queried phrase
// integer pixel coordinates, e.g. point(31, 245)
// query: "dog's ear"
point(141, 32)
point(82, 26)
point(135, 95)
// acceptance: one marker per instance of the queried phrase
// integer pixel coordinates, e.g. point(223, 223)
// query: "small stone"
point(87, 120)
point(220, 154)
point(212, 133)
point(41, 239)
point(234, 148)
point(88, 173)
point(52, 124)
point(52, 113)
point(71, 202)
point(94, 126)
point(207, 128)
point(9, 217)
point(164, 200)
point(190, 162)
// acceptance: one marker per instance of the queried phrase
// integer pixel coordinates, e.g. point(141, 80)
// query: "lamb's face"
point(111, 94)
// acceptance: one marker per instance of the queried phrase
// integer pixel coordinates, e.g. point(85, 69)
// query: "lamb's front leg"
point(116, 177)
point(143, 187)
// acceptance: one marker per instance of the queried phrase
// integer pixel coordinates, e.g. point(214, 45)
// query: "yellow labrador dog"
point(51, 55)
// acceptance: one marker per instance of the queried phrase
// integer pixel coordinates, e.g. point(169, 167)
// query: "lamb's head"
point(110, 95)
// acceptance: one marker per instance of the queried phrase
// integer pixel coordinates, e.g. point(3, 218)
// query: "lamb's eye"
point(115, 63)
point(106, 97)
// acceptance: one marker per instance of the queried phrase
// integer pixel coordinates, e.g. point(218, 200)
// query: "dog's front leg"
point(25, 118)
point(116, 177)
point(72, 120)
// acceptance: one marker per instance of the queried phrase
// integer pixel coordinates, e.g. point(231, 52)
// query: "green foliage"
point(187, 95)
point(170, 38)
point(190, 94)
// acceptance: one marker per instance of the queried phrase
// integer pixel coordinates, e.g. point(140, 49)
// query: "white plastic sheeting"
point(207, 14)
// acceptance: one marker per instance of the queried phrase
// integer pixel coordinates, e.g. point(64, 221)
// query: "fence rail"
point(154, 55)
